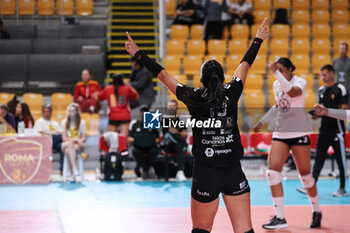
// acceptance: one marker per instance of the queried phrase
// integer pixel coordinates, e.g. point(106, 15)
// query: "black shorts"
point(117, 123)
point(300, 141)
point(209, 182)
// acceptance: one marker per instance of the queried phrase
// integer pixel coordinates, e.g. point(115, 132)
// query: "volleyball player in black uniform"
point(217, 150)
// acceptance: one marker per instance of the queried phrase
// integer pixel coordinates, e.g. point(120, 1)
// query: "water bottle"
point(98, 175)
point(20, 129)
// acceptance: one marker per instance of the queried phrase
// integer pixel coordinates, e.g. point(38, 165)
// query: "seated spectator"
point(7, 119)
point(23, 114)
point(46, 126)
point(3, 34)
point(145, 149)
point(241, 12)
point(185, 13)
point(118, 95)
point(141, 81)
point(73, 137)
point(175, 139)
point(85, 93)
point(12, 104)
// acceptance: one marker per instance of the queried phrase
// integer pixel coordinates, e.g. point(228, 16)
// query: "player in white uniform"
point(290, 133)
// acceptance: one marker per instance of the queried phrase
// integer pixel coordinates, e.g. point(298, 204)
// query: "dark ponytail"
point(117, 81)
point(212, 77)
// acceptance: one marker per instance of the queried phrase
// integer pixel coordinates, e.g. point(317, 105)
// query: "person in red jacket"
point(85, 93)
point(118, 95)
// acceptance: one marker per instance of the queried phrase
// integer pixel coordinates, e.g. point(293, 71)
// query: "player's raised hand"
point(262, 32)
point(272, 66)
point(130, 45)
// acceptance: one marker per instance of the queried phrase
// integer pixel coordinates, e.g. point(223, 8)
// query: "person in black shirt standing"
point(217, 147)
point(331, 132)
point(3, 34)
point(145, 148)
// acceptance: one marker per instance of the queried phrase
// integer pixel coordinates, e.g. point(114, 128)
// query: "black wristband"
point(151, 65)
point(252, 51)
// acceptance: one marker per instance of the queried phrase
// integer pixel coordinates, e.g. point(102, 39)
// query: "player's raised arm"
point(251, 53)
point(156, 69)
point(340, 114)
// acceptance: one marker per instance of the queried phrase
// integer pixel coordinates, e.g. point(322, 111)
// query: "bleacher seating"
point(48, 46)
point(5, 97)
point(238, 47)
point(179, 32)
point(281, 4)
point(64, 67)
point(35, 101)
point(16, 46)
point(340, 16)
point(170, 6)
point(299, 46)
point(254, 82)
point(262, 5)
point(195, 47)
point(46, 7)
point(60, 101)
point(240, 31)
point(259, 65)
point(254, 99)
point(320, 17)
point(84, 7)
point(301, 62)
point(321, 31)
point(197, 32)
point(301, 4)
point(192, 64)
point(217, 48)
point(280, 31)
point(7, 71)
point(26, 7)
point(341, 30)
point(321, 46)
point(65, 7)
point(259, 15)
point(279, 46)
point(340, 4)
point(319, 60)
point(301, 31)
point(300, 17)
point(320, 4)
point(173, 64)
point(175, 47)
point(7, 7)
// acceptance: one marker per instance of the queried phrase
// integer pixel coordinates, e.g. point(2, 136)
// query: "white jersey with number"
point(291, 121)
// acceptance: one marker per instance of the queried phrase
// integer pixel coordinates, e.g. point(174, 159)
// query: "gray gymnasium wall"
point(51, 52)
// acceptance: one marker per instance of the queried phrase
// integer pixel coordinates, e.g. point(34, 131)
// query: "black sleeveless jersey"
point(216, 138)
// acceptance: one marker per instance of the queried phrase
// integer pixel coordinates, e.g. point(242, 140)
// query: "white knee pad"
point(308, 181)
point(273, 177)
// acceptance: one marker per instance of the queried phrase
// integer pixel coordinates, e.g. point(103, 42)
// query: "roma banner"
point(25, 159)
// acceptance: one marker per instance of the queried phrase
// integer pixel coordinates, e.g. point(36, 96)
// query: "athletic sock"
point(314, 203)
point(278, 204)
